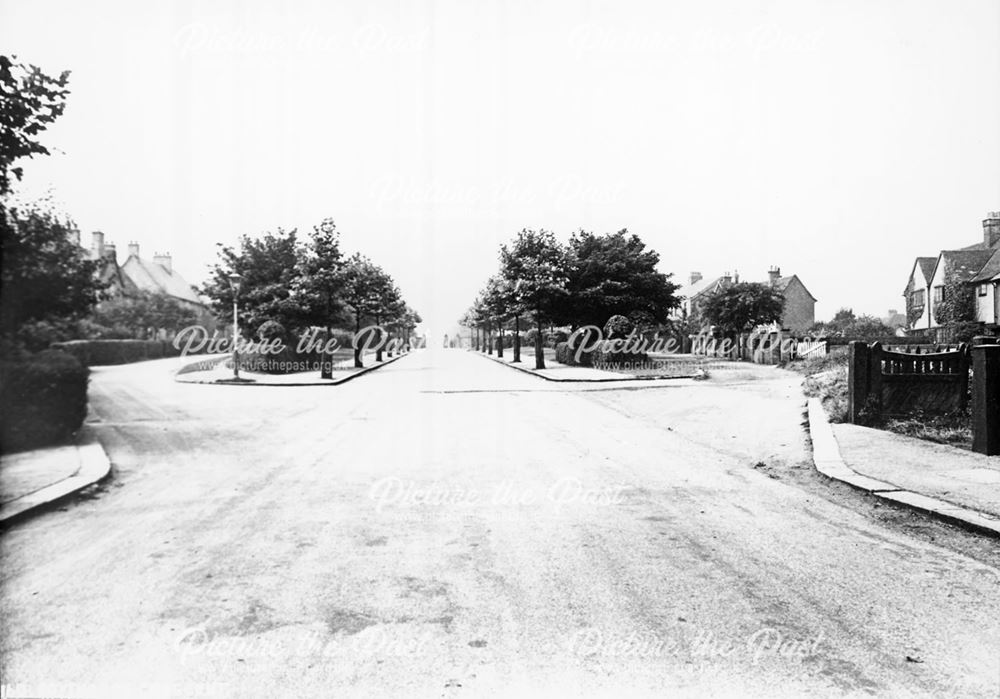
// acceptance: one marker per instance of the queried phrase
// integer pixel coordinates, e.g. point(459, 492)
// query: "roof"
point(154, 277)
point(926, 265)
point(699, 287)
point(965, 263)
point(990, 270)
point(783, 283)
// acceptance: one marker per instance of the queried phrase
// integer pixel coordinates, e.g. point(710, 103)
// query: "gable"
point(793, 282)
point(155, 278)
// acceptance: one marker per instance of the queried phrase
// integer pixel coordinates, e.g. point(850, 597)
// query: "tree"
point(614, 274)
point(360, 289)
point(319, 286)
point(386, 303)
point(742, 307)
point(538, 267)
point(846, 324)
point(143, 315)
point(269, 267)
point(498, 304)
point(45, 273)
point(30, 100)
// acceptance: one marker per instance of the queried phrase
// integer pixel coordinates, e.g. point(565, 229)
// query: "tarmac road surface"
point(446, 526)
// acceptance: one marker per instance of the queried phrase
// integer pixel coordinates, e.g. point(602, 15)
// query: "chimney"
point(133, 249)
point(695, 278)
point(991, 229)
point(727, 278)
point(97, 245)
point(773, 275)
point(736, 276)
point(110, 252)
point(164, 261)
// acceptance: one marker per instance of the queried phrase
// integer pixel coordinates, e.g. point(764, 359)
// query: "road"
point(446, 526)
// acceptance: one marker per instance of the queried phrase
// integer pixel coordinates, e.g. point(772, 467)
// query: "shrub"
point(43, 400)
point(270, 330)
point(552, 339)
point(104, 352)
point(564, 355)
point(618, 326)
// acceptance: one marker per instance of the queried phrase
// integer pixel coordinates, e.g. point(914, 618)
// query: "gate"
point(893, 383)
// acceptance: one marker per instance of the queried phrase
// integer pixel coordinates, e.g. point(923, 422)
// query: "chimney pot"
point(164, 260)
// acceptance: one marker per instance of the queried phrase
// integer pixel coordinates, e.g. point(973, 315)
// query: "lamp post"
point(234, 284)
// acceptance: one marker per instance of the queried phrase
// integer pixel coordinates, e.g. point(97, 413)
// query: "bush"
point(618, 327)
point(104, 352)
point(272, 329)
point(43, 400)
point(552, 339)
point(563, 353)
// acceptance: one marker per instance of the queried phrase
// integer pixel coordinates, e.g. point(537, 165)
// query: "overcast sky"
point(837, 140)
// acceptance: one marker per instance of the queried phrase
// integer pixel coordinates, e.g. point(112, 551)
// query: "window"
point(938, 294)
point(918, 297)
point(982, 289)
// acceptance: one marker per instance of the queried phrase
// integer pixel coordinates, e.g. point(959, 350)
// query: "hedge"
point(43, 400)
point(103, 352)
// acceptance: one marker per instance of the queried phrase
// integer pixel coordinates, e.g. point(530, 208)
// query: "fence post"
point(858, 383)
point(986, 399)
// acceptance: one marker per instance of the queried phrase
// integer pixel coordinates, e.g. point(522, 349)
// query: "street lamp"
point(234, 284)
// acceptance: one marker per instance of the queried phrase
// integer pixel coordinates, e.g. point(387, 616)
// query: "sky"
point(836, 140)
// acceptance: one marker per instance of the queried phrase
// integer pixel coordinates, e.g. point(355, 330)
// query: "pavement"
point(449, 527)
point(944, 481)
point(555, 371)
point(218, 372)
point(33, 480)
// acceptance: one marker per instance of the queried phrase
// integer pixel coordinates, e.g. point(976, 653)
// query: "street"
point(446, 526)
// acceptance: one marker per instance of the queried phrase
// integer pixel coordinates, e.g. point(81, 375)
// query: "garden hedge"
point(104, 352)
point(43, 400)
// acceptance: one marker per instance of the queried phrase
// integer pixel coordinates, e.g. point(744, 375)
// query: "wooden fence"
point(891, 383)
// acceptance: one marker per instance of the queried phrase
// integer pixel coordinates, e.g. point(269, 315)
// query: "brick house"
point(800, 305)
point(138, 274)
point(977, 265)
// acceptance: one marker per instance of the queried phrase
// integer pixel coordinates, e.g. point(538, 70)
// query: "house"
point(698, 289)
point(977, 265)
point(800, 305)
point(894, 319)
point(138, 275)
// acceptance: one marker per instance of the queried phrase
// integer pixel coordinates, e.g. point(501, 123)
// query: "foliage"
point(107, 352)
point(536, 267)
point(614, 274)
point(360, 287)
point(43, 400)
point(272, 330)
point(30, 100)
point(141, 315)
point(618, 326)
point(846, 324)
point(268, 266)
point(319, 286)
point(913, 311)
point(958, 304)
point(45, 275)
point(742, 307)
